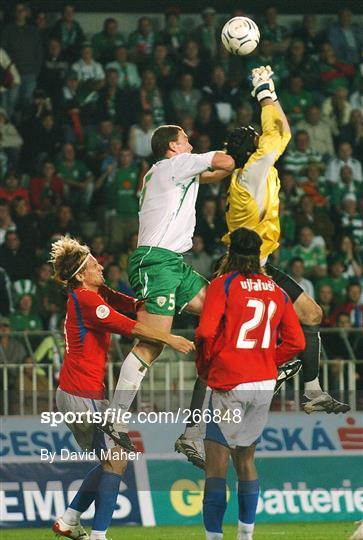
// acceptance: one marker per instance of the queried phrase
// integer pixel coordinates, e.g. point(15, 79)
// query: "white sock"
point(312, 388)
point(131, 375)
point(245, 530)
point(97, 535)
point(71, 516)
point(213, 536)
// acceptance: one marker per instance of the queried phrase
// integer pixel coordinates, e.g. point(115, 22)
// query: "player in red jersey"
point(244, 314)
point(91, 316)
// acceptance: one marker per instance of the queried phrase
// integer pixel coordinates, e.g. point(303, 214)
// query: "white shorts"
point(239, 416)
point(86, 433)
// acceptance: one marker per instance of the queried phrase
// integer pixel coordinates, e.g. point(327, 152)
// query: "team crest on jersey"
point(102, 311)
point(161, 300)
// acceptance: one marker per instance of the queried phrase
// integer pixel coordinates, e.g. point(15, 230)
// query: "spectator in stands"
point(356, 99)
point(49, 299)
point(61, 223)
point(41, 22)
point(220, 94)
point(140, 136)
point(193, 62)
point(76, 109)
point(207, 33)
point(297, 159)
point(54, 71)
point(351, 222)
point(203, 145)
point(105, 43)
point(335, 279)
point(309, 34)
point(334, 73)
point(6, 222)
point(46, 142)
point(24, 319)
point(10, 139)
point(142, 41)
point(297, 272)
point(198, 258)
point(353, 306)
point(346, 185)
point(173, 35)
point(312, 253)
point(319, 131)
point(163, 67)
point(346, 251)
point(15, 258)
point(353, 132)
point(99, 140)
point(336, 111)
point(325, 300)
point(266, 56)
point(12, 352)
point(108, 168)
point(345, 152)
point(77, 178)
point(47, 185)
point(9, 82)
point(277, 34)
point(99, 251)
point(185, 98)
point(209, 226)
point(206, 122)
point(89, 72)
point(314, 184)
point(122, 197)
point(22, 43)
point(290, 191)
point(128, 75)
point(346, 38)
point(151, 98)
point(244, 117)
point(27, 223)
point(308, 215)
point(6, 300)
point(300, 64)
point(113, 280)
point(288, 225)
point(69, 32)
point(12, 189)
point(296, 99)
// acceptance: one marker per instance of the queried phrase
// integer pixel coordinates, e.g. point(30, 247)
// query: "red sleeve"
point(210, 319)
point(118, 300)
point(291, 334)
point(97, 314)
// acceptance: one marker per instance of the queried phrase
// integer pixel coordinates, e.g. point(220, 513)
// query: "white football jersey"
point(167, 203)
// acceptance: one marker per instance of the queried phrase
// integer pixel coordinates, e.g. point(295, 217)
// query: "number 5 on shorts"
point(171, 305)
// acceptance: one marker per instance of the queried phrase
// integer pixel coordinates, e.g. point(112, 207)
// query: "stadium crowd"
point(76, 118)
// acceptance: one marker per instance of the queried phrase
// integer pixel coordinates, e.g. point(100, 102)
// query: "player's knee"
point(116, 463)
point(149, 352)
point(308, 311)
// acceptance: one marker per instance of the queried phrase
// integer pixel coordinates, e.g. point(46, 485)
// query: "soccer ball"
point(240, 35)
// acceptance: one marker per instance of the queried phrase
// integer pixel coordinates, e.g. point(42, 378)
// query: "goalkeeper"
point(253, 202)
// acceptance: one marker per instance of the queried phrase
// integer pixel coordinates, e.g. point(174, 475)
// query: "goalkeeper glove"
point(263, 85)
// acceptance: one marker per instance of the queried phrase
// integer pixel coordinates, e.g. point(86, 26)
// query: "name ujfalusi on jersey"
point(257, 285)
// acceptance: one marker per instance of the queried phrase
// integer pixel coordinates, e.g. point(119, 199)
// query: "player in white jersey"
point(156, 270)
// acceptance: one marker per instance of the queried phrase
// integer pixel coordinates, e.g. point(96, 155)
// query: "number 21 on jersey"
point(257, 320)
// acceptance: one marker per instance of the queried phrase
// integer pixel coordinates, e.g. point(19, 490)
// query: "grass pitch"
point(288, 531)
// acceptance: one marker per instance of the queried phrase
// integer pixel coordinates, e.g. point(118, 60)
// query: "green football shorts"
point(163, 280)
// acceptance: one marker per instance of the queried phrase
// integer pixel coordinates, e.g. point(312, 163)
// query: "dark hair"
point(296, 259)
point(244, 253)
point(161, 138)
point(107, 21)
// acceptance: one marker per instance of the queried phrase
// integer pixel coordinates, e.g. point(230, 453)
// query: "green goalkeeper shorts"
point(163, 280)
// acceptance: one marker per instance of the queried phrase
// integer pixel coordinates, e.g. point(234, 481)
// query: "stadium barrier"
point(29, 388)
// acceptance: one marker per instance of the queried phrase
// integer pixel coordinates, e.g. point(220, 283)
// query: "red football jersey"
point(242, 319)
point(90, 319)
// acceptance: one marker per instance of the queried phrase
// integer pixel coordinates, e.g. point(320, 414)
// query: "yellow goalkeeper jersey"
point(253, 195)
